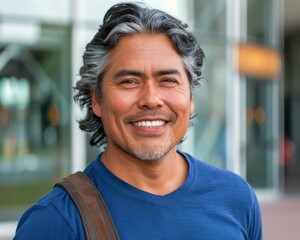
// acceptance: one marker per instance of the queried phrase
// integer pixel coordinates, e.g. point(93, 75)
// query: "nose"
point(150, 97)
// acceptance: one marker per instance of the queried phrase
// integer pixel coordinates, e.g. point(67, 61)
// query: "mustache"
point(170, 117)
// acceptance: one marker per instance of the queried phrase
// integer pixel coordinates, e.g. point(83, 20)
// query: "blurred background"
point(248, 109)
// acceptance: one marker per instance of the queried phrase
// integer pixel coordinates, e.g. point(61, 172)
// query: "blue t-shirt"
point(211, 204)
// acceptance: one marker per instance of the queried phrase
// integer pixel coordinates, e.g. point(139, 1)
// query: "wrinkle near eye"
point(169, 82)
point(129, 83)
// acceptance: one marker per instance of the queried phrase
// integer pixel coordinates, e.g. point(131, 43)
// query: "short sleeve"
point(43, 222)
point(255, 222)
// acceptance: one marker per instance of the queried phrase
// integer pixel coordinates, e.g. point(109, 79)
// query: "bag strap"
point(95, 216)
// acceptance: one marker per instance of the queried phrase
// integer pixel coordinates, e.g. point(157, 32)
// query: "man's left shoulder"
point(219, 178)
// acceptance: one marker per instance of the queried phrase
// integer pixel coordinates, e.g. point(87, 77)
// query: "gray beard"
point(147, 156)
point(153, 153)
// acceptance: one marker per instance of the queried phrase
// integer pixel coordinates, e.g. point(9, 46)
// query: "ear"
point(96, 104)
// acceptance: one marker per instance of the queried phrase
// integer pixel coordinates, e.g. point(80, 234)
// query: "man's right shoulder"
point(54, 216)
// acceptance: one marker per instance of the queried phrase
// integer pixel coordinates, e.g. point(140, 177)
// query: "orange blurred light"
point(259, 115)
point(257, 61)
point(53, 115)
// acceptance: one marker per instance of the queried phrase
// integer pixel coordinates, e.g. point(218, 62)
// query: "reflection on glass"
point(210, 103)
point(34, 127)
point(259, 133)
point(210, 17)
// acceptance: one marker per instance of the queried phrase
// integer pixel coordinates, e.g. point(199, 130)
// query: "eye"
point(169, 82)
point(129, 83)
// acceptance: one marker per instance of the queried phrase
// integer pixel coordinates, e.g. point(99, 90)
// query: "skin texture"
point(145, 84)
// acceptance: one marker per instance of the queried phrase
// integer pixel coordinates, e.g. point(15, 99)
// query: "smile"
point(156, 123)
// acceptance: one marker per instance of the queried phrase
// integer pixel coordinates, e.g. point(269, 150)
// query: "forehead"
point(145, 42)
point(142, 49)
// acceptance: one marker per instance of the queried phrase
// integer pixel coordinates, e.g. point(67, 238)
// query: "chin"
point(152, 154)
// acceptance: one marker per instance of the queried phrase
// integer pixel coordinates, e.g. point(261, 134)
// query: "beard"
point(152, 154)
point(147, 152)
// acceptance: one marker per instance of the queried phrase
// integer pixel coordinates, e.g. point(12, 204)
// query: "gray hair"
point(126, 19)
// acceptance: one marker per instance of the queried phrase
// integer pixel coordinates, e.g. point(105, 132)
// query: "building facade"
point(238, 122)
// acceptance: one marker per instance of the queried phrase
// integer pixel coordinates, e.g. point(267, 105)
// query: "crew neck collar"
point(138, 194)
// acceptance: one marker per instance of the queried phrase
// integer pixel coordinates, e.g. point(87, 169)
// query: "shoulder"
point(227, 193)
point(52, 217)
point(222, 183)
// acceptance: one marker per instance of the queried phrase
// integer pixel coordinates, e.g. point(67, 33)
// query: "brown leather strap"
point(96, 219)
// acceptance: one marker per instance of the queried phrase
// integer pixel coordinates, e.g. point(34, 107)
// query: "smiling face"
point(146, 100)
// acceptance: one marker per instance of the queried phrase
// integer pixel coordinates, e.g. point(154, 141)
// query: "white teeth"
point(156, 123)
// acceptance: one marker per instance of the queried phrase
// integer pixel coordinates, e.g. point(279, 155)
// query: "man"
point(136, 83)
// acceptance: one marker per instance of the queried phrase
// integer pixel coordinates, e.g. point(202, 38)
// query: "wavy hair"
point(126, 19)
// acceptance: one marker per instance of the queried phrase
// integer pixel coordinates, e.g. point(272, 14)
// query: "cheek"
point(116, 106)
point(182, 104)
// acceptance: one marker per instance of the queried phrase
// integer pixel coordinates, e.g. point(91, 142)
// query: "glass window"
point(259, 22)
point(209, 131)
point(35, 109)
point(210, 102)
point(261, 127)
point(210, 17)
point(259, 133)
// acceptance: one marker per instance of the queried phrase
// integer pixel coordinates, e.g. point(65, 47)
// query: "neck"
point(158, 177)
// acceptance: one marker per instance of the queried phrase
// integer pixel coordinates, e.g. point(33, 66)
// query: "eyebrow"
point(126, 72)
point(167, 72)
